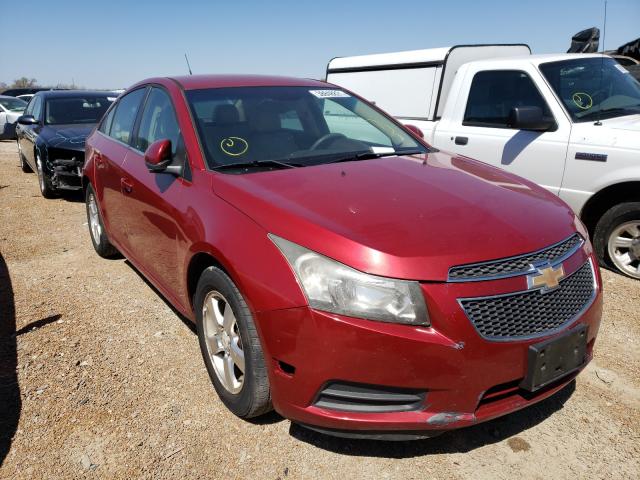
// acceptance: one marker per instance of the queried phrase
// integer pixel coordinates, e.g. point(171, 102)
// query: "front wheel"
point(46, 187)
point(24, 166)
point(617, 239)
point(230, 345)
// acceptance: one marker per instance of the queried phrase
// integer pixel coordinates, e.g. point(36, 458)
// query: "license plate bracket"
point(555, 358)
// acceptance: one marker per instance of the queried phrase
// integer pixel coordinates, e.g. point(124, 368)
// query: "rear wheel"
point(617, 239)
point(46, 187)
point(230, 345)
point(98, 234)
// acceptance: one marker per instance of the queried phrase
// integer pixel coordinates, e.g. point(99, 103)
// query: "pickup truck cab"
point(569, 122)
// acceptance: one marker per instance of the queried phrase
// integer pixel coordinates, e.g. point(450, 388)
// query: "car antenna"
point(188, 66)
point(604, 37)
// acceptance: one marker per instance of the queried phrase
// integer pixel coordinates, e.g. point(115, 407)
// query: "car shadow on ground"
point(10, 402)
point(456, 441)
point(190, 325)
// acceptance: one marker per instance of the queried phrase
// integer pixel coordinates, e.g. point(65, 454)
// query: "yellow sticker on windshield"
point(234, 146)
point(582, 100)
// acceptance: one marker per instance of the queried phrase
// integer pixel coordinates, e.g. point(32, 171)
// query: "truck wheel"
point(617, 239)
point(98, 234)
point(230, 345)
point(46, 187)
point(24, 166)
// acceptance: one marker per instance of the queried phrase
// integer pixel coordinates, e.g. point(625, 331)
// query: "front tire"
point(24, 166)
point(230, 345)
point(46, 187)
point(616, 239)
point(97, 231)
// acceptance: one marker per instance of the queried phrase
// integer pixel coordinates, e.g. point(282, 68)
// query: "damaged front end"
point(66, 168)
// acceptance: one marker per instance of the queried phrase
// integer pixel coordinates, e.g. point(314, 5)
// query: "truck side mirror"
point(530, 118)
point(414, 130)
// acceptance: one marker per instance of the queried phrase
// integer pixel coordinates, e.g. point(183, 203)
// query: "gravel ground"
point(100, 378)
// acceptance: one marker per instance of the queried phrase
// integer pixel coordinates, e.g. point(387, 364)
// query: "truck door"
point(479, 127)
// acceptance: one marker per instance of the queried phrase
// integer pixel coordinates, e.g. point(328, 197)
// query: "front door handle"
point(461, 140)
point(126, 186)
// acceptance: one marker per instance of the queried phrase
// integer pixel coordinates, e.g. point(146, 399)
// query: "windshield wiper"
point(256, 164)
point(371, 155)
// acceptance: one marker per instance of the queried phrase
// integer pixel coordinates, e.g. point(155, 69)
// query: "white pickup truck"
point(569, 122)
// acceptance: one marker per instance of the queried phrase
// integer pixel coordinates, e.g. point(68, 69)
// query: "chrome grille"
point(531, 313)
point(513, 266)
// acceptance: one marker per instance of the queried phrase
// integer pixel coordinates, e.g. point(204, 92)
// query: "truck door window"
point(494, 93)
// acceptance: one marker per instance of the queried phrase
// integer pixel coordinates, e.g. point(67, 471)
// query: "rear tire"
point(46, 187)
point(616, 239)
point(97, 231)
point(226, 332)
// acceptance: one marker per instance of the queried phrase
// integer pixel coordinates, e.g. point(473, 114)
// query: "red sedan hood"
point(403, 217)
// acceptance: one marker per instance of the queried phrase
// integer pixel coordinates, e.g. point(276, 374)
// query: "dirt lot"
point(100, 378)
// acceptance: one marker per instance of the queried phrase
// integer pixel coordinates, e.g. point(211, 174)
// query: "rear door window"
point(125, 114)
point(494, 93)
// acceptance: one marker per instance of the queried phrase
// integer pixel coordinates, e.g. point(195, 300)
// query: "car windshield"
point(292, 126)
point(593, 88)
point(76, 110)
point(13, 104)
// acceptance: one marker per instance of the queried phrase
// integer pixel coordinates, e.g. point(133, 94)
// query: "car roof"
point(9, 96)
point(198, 82)
point(74, 93)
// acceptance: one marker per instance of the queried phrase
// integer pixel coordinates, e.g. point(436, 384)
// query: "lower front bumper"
point(465, 379)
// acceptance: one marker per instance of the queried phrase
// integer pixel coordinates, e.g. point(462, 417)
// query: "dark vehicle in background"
point(14, 92)
point(10, 109)
point(52, 132)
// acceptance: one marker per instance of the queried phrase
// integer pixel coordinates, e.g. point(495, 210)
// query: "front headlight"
point(334, 287)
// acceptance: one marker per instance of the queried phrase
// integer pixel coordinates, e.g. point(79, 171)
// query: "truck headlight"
point(334, 287)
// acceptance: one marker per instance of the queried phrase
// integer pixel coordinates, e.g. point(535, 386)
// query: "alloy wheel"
point(224, 345)
point(624, 248)
point(94, 219)
point(40, 173)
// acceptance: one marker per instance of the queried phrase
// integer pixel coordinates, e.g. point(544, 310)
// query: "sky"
point(113, 44)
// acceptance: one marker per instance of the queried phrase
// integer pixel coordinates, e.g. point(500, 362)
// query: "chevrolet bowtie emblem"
point(546, 276)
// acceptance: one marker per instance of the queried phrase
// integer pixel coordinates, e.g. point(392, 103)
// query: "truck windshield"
point(291, 126)
point(593, 88)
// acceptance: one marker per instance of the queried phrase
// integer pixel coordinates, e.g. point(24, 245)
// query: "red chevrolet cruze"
point(337, 267)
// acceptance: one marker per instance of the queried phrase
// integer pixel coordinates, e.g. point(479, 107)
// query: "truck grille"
point(513, 266)
point(532, 313)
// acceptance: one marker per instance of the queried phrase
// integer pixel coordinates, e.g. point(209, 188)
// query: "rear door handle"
point(126, 186)
point(462, 140)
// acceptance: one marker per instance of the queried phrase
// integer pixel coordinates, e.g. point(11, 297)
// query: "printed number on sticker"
point(328, 93)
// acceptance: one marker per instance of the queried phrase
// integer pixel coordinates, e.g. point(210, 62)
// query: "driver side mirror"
point(27, 120)
point(530, 118)
point(158, 158)
point(415, 130)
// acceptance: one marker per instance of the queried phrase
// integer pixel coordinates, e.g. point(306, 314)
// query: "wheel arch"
point(198, 263)
point(606, 198)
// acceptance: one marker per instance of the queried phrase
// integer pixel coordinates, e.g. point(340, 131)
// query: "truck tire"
point(616, 239)
point(230, 345)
